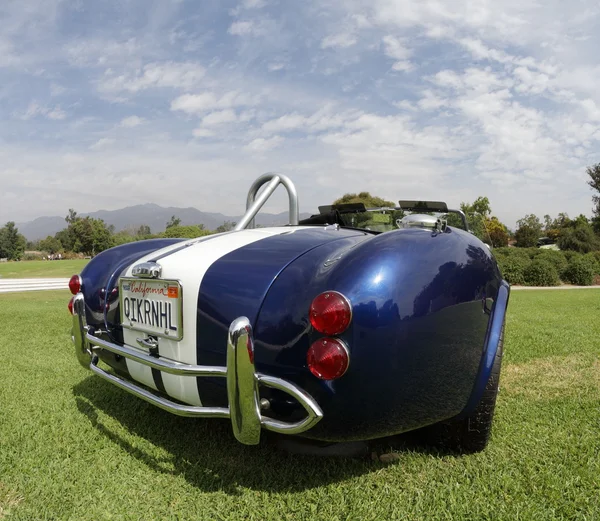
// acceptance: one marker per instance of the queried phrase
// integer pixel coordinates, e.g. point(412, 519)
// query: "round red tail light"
point(75, 284)
point(330, 313)
point(328, 358)
point(70, 305)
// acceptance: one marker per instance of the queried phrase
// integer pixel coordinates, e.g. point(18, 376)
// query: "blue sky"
point(184, 103)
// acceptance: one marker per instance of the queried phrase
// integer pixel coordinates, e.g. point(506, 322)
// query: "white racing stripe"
point(189, 265)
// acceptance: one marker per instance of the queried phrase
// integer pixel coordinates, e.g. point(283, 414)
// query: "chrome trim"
point(254, 204)
point(148, 343)
point(79, 331)
point(162, 364)
point(419, 220)
point(243, 382)
point(242, 385)
point(463, 218)
point(163, 403)
point(147, 270)
point(314, 412)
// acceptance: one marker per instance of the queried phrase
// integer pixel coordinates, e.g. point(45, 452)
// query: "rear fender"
point(492, 340)
point(100, 275)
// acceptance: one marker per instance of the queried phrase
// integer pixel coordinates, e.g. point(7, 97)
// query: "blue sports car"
point(354, 324)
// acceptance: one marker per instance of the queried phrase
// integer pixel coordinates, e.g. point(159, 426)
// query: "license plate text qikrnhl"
point(152, 306)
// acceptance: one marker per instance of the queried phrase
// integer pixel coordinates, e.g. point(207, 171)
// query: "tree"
point(187, 232)
point(72, 216)
point(594, 173)
point(143, 231)
point(529, 230)
point(174, 221)
point(370, 201)
point(594, 182)
point(51, 245)
point(578, 236)
point(497, 232)
point(91, 236)
point(12, 243)
point(480, 206)
point(227, 226)
point(478, 217)
point(66, 239)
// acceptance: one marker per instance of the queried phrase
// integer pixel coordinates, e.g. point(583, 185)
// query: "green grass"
point(73, 447)
point(41, 269)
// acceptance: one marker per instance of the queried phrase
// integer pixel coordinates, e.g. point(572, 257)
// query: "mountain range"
point(153, 215)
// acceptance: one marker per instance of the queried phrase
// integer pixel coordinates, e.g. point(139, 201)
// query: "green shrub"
point(593, 259)
point(556, 258)
point(580, 272)
point(570, 254)
point(513, 268)
point(541, 273)
point(580, 238)
point(522, 253)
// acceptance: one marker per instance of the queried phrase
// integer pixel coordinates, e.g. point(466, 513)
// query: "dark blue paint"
point(421, 342)
point(416, 339)
point(236, 285)
point(491, 347)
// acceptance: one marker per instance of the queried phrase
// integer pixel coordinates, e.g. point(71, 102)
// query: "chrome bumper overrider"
point(242, 380)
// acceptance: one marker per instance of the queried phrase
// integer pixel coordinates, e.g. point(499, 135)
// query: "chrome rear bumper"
point(242, 380)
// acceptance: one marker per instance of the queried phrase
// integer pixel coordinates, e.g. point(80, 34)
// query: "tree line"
point(89, 236)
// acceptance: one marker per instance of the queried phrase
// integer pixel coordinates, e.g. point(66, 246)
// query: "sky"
point(185, 102)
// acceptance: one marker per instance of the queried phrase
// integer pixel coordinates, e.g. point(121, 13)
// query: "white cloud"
point(219, 117)
point(102, 143)
point(395, 48)
point(131, 122)
point(203, 132)
point(186, 76)
point(276, 66)
point(338, 41)
point(34, 110)
point(499, 95)
point(324, 119)
point(57, 90)
point(207, 101)
point(101, 53)
point(258, 27)
point(264, 144)
point(254, 4)
point(247, 5)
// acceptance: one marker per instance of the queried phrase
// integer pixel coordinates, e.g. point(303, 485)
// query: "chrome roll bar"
point(463, 218)
point(243, 382)
point(254, 203)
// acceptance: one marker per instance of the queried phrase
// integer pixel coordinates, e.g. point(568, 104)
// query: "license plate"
point(152, 306)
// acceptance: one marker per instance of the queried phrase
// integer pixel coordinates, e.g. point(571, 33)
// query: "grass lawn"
point(73, 447)
point(41, 269)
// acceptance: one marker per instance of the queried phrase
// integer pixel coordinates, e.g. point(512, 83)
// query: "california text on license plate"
point(152, 306)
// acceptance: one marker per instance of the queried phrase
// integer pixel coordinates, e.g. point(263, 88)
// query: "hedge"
point(556, 258)
point(580, 271)
point(541, 273)
point(513, 268)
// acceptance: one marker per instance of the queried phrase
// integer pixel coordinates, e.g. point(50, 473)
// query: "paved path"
point(10, 285)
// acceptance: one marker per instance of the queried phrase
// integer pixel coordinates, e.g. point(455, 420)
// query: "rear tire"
point(470, 434)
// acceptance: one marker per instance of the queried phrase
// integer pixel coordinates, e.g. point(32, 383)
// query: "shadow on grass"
point(206, 454)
